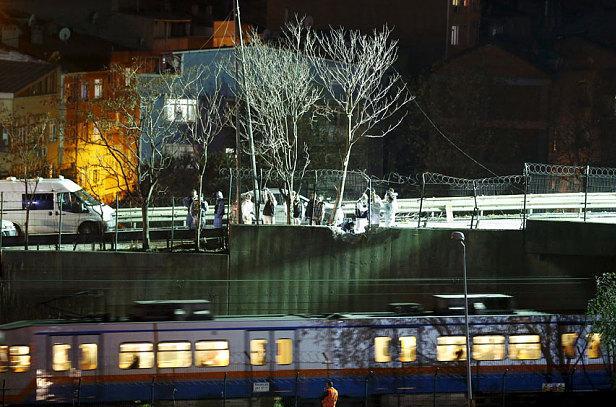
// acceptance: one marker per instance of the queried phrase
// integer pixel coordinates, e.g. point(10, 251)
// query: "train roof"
point(268, 317)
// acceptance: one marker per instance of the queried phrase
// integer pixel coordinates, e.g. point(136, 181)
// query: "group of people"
point(313, 212)
point(371, 211)
point(198, 207)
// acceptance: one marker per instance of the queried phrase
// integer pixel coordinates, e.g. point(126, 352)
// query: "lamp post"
point(459, 236)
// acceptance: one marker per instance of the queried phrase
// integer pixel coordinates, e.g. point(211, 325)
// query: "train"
point(291, 356)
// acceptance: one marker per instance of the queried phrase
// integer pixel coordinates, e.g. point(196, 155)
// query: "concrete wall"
point(284, 269)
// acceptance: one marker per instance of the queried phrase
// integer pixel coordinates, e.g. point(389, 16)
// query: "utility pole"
point(248, 113)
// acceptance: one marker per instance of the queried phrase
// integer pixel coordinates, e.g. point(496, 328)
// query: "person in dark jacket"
point(269, 208)
point(219, 210)
point(310, 207)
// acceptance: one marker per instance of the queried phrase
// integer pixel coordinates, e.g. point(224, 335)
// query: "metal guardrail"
point(450, 207)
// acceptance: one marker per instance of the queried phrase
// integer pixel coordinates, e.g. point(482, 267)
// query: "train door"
point(259, 354)
point(284, 363)
point(57, 383)
point(89, 364)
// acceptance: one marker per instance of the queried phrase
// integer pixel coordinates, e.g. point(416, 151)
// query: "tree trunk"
point(198, 226)
point(145, 229)
point(27, 224)
point(345, 167)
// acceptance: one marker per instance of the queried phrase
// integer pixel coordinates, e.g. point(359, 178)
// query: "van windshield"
point(86, 198)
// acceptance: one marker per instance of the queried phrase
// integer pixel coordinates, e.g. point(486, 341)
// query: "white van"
point(81, 213)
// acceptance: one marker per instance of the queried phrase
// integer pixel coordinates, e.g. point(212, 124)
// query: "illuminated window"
point(19, 358)
point(84, 91)
point(98, 88)
point(181, 110)
point(381, 349)
point(568, 342)
point(456, 3)
point(61, 357)
point(174, 354)
point(408, 349)
point(489, 347)
point(450, 348)
point(136, 356)
point(88, 356)
point(455, 35)
point(524, 347)
point(258, 352)
point(211, 353)
point(284, 351)
point(593, 346)
point(4, 358)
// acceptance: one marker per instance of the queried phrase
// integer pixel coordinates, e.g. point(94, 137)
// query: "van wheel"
point(87, 228)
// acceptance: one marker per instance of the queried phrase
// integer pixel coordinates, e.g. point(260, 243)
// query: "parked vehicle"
point(51, 204)
point(8, 229)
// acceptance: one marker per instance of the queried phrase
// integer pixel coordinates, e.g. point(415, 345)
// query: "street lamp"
point(459, 236)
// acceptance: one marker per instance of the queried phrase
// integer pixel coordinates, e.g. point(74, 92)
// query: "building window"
point(284, 351)
point(98, 88)
point(61, 357)
point(408, 349)
point(88, 356)
point(593, 346)
point(456, 3)
point(211, 353)
point(4, 358)
point(258, 352)
point(19, 358)
point(455, 35)
point(524, 347)
point(174, 354)
point(489, 347)
point(136, 356)
point(84, 91)
point(567, 343)
point(381, 349)
point(37, 202)
point(4, 132)
point(181, 110)
point(450, 348)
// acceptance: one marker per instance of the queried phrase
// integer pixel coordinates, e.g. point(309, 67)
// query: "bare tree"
point(283, 95)
point(356, 72)
point(204, 85)
point(137, 121)
point(27, 153)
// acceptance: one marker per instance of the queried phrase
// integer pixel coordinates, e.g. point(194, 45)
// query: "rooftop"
point(16, 75)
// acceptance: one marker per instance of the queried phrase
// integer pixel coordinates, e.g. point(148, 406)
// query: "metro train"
point(291, 356)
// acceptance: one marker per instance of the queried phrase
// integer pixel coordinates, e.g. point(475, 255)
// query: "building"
point(29, 114)
point(427, 31)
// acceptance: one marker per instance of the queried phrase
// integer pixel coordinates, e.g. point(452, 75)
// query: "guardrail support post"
point(172, 222)
point(586, 178)
point(525, 193)
point(421, 197)
point(475, 209)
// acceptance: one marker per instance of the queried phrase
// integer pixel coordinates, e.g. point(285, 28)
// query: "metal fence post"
point(366, 389)
point(224, 391)
point(369, 202)
point(434, 387)
point(503, 388)
point(3, 391)
point(152, 392)
point(586, 179)
point(296, 389)
point(421, 197)
point(525, 193)
point(172, 222)
point(60, 224)
point(475, 209)
point(115, 236)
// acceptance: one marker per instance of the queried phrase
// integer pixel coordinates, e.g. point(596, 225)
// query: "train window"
point(211, 353)
point(174, 354)
point(258, 352)
point(450, 348)
point(408, 349)
point(61, 357)
point(19, 358)
point(489, 347)
point(284, 351)
point(524, 347)
point(568, 342)
point(4, 358)
point(381, 349)
point(593, 347)
point(136, 355)
point(88, 356)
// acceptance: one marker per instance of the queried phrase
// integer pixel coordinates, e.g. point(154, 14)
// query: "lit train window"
point(4, 358)
point(408, 349)
point(381, 349)
point(88, 356)
point(450, 348)
point(19, 358)
point(61, 357)
point(593, 347)
point(568, 341)
point(136, 355)
point(211, 353)
point(174, 354)
point(489, 347)
point(258, 352)
point(524, 347)
point(284, 351)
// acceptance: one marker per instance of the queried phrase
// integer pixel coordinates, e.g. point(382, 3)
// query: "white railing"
point(445, 210)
